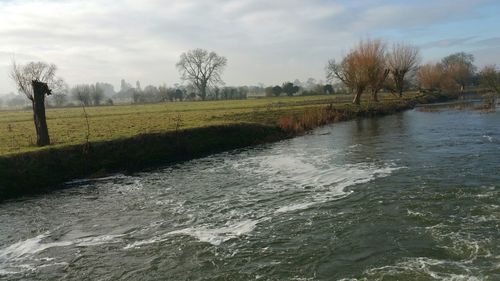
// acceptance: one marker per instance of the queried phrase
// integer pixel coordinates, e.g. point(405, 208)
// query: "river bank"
point(41, 171)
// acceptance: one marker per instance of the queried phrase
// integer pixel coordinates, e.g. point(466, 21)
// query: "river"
point(412, 196)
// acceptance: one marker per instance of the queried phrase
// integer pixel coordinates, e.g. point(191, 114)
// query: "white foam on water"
point(138, 244)
point(415, 213)
point(313, 173)
point(29, 247)
point(108, 178)
point(217, 236)
point(35, 245)
point(135, 185)
point(461, 243)
point(331, 185)
point(465, 249)
point(294, 207)
point(53, 264)
point(214, 236)
point(98, 240)
point(433, 268)
point(17, 254)
point(303, 170)
point(489, 138)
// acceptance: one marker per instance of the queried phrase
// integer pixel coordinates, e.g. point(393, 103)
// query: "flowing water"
point(414, 196)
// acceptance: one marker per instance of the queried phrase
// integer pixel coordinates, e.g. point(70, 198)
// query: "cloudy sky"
point(265, 41)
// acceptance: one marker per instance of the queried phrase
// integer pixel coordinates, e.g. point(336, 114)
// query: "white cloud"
point(266, 41)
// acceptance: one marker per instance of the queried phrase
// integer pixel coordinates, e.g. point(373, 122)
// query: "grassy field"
point(67, 126)
point(129, 138)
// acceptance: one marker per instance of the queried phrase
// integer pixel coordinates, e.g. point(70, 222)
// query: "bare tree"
point(96, 94)
point(401, 60)
point(81, 93)
point(372, 58)
point(361, 68)
point(59, 99)
point(430, 76)
point(35, 80)
point(202, 69)
point(490, 78)
point(23, 76)
point(349, 74)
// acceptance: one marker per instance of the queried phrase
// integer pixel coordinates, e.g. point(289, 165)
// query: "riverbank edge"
point(42, 171)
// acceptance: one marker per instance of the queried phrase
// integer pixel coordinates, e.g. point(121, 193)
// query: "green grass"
point(67, 126)
point(130, 138)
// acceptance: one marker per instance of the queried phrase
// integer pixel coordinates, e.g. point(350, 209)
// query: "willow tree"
point(372, 57)
point(362, 68)
point(202, 69)
point(430, 76)
point(401, 61)
point(36, 80)
point(348, 72)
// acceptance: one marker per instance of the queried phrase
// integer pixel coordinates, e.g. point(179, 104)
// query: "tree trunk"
point(357, 97)
point(42, 132)
point(400, 85)
point(203, 91)
point(375, 96)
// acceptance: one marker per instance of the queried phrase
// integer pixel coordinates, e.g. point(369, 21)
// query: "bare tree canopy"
point(459, 67)
point(24, 75)
point(59, 99)
point(401, 60)
point(82, 94)
point(348, 73)
point(36, 80)
point(430, 76)
point(490, 78)
point(372, 59)
point(202, 69)
point(361, 68)
point(458, 58)
point(96, 94)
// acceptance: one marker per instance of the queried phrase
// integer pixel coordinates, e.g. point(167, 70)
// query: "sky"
point(265, 41)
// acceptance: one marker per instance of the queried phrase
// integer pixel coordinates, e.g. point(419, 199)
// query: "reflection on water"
point(484, 103)
point(413, 196)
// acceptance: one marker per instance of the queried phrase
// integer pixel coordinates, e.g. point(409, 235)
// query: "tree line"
point(370, 66)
